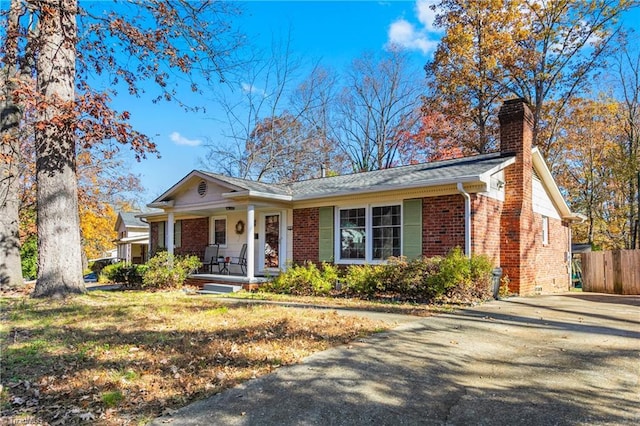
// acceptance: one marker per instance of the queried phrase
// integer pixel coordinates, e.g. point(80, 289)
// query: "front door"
point(271, 241)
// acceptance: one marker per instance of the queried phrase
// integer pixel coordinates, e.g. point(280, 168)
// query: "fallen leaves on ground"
point(126, 357)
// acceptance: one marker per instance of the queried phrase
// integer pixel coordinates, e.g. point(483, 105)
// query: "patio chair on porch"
point(210, 257)
point(241, 260)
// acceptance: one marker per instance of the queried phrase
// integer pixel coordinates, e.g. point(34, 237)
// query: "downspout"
point(467, 220)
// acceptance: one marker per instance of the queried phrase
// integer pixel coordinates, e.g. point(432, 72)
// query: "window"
point(218, 233)
point(386, 232)
point(370, 233)
point(352, 233)
point(177, 234)
point(545, 230)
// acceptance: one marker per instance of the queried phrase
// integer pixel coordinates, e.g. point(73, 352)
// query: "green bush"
point(127, 275)
point(305, 280)
point(29, 258)
point(453, 277)
point(462, 279)
point(165, 270)
point(364, 280)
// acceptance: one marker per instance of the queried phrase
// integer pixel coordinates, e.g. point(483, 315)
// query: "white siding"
point(542, 203)
point(188, 195)
point(496, 186)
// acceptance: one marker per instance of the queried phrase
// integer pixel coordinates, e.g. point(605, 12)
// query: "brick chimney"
point(517, 248)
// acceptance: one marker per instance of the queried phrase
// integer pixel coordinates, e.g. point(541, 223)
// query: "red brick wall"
point(306, 225)
point(551, 274)
point(517, 252)
point(443, 224)
point(195, 237)
point(485, 227)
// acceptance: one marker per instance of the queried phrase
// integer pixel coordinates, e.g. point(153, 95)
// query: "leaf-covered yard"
point(126, 357)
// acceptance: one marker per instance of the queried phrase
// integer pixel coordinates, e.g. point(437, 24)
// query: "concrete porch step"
point(217, 288)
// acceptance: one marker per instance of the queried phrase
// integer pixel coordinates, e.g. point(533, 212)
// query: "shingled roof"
point(131, 221)
point(418, 175)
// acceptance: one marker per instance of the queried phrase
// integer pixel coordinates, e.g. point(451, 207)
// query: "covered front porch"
point(204, 210)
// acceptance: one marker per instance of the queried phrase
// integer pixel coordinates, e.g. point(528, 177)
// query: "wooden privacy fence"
point(613, 272)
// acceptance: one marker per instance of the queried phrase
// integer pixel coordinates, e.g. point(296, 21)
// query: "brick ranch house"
point(505, 205)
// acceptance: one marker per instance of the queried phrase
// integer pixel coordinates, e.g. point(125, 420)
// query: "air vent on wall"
point(202, 188)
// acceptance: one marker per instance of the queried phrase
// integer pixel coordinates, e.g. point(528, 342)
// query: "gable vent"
point(202, 188)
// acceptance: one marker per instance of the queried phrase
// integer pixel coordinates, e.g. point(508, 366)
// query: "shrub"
point(465, 279)
point(127, 275)
point(165, 270)
point(454, 270)
point(305, 280)
point(454, 277)
point(364, 280)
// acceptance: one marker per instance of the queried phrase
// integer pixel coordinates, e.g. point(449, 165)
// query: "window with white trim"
point(386, 230)
point(545, 230)
point(177, 234)
point(353, 233)
point(218, 234)
point(371, 233)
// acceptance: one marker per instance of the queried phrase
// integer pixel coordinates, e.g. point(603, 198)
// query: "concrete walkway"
point(569, 359)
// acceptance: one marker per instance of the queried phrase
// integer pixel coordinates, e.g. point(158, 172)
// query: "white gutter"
point(467, 219)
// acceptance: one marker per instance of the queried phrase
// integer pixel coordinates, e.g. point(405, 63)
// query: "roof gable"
point(129, 220)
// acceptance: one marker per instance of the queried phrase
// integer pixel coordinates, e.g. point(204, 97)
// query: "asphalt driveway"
point(569, 359)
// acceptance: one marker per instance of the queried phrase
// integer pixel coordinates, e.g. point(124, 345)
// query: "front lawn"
point(127, 357)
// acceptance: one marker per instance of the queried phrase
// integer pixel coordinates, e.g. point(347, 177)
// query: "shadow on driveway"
point(548, 360)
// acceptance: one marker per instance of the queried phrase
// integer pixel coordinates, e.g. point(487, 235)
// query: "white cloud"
point(249, 88)
point(426, 15)
point(178, 139)
point(404, 34)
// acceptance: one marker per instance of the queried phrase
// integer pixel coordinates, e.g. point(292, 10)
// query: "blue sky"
point(334, 32)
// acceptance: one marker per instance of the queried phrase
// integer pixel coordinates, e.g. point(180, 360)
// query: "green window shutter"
point(326, 234)
point(177, 233)
point(412, 228)
point(162, 242)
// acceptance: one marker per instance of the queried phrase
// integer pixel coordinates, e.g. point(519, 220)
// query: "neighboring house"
point(133, 238)
point(505, 205)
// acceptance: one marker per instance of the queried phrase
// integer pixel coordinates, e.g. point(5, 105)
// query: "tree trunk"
point(10, 116)
point(59, 258)
point(10, 264)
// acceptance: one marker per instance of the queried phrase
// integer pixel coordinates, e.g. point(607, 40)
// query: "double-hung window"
point(353, 233)
point(162, 234)
point(385, 230)
point(218, 233)
point(371, 233)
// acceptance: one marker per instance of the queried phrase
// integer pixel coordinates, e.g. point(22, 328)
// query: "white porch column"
point(251, 229)
point(168, 235)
